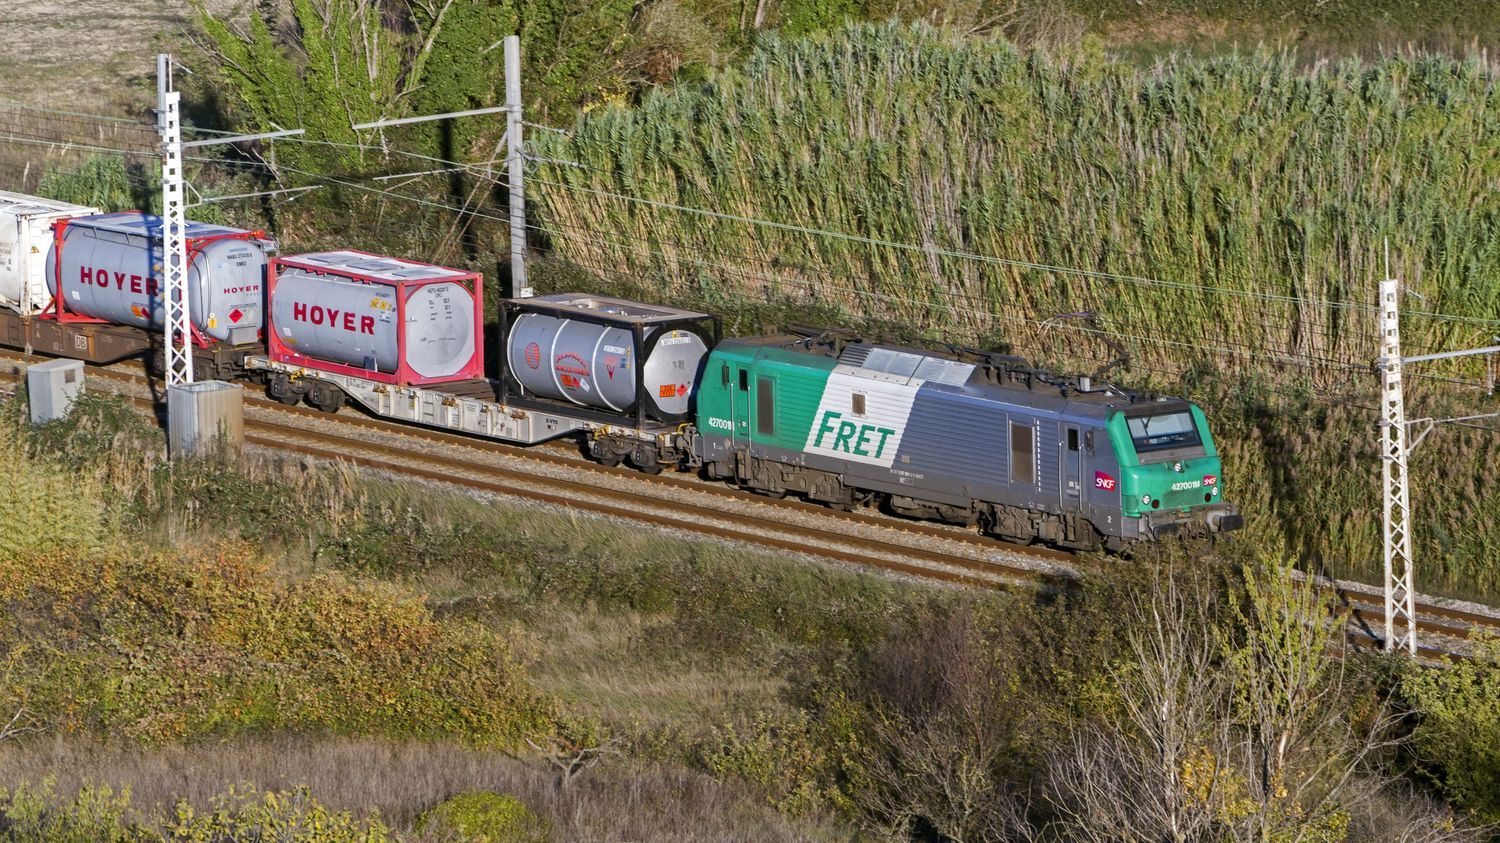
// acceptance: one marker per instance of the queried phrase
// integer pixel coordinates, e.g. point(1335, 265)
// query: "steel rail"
point(1359, 608)
point(576, 495)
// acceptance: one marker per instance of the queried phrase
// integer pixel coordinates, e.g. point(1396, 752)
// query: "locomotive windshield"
point(1168, 430)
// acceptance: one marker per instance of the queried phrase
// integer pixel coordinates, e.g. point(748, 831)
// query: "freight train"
point(969, 437)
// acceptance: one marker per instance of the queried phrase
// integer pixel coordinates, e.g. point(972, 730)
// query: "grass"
point(1257, 190)
point(1253, 189)
point(400, 780)
point(665, 648)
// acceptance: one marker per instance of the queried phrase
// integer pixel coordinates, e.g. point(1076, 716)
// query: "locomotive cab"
point(1170, 469)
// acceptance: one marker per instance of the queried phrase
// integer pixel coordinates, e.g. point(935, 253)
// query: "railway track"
point(560, 477)
point(857, 538)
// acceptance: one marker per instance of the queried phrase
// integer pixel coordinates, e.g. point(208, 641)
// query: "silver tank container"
point(354, 323)
point(594, 365)
point(112, 270)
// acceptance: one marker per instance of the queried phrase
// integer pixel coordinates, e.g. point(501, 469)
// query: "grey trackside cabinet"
point(204, 417)
point(53, 386)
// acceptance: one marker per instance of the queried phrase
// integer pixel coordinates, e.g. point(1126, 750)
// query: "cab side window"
point(1022, 454)
point(765, 406)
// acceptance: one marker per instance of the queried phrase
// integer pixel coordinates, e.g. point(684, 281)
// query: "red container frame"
point(58, 308)
point(404, 375)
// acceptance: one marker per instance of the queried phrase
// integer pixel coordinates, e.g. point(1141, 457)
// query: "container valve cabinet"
point(382, 319)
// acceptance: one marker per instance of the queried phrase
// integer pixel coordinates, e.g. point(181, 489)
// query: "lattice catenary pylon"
point(1400, 599)
point(177, 337)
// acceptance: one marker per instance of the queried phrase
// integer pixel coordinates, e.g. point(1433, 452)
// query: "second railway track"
point(553, 477)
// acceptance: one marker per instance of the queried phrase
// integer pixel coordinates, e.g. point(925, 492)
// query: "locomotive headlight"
point(1145, 500)
point(1177, 466)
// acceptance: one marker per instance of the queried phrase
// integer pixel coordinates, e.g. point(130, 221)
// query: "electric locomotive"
point(971, 438)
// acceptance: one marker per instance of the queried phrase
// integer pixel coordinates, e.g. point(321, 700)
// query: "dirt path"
point(90, 54)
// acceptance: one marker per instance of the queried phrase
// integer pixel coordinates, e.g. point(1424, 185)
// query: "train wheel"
point(325, 396)
point(280, 388)
point(645, 460)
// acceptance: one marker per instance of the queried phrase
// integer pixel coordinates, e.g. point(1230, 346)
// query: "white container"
point(25, 236)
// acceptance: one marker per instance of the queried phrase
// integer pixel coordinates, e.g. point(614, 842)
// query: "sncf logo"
point(1210, 479)
point(1104, 481)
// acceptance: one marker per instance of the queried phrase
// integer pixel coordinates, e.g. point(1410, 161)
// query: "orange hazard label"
point(668, 390)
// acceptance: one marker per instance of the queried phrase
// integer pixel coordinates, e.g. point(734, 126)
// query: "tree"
point(336, 63)
point(1298, 734)
point(941, 726)
point(1235, 721)
point(1155, 773)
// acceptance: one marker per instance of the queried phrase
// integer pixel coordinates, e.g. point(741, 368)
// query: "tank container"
point(109, 268)
point(382, 318)
point(607, 354)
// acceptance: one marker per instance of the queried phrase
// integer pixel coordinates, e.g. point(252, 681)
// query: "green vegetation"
point(158, 646)
point(96, 814)
point(371, 610)
point(664, 687)
point(1256, 190)
point(484, 818)
point(1457, 737)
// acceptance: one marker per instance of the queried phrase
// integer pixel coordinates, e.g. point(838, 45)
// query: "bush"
point(96, 814)
point(1457, 737)
point(169, 647)
point(34, 812)
point(783, 757)
point(483, 817)
point(48, 515)
point(273, 815)
point(97, 426)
